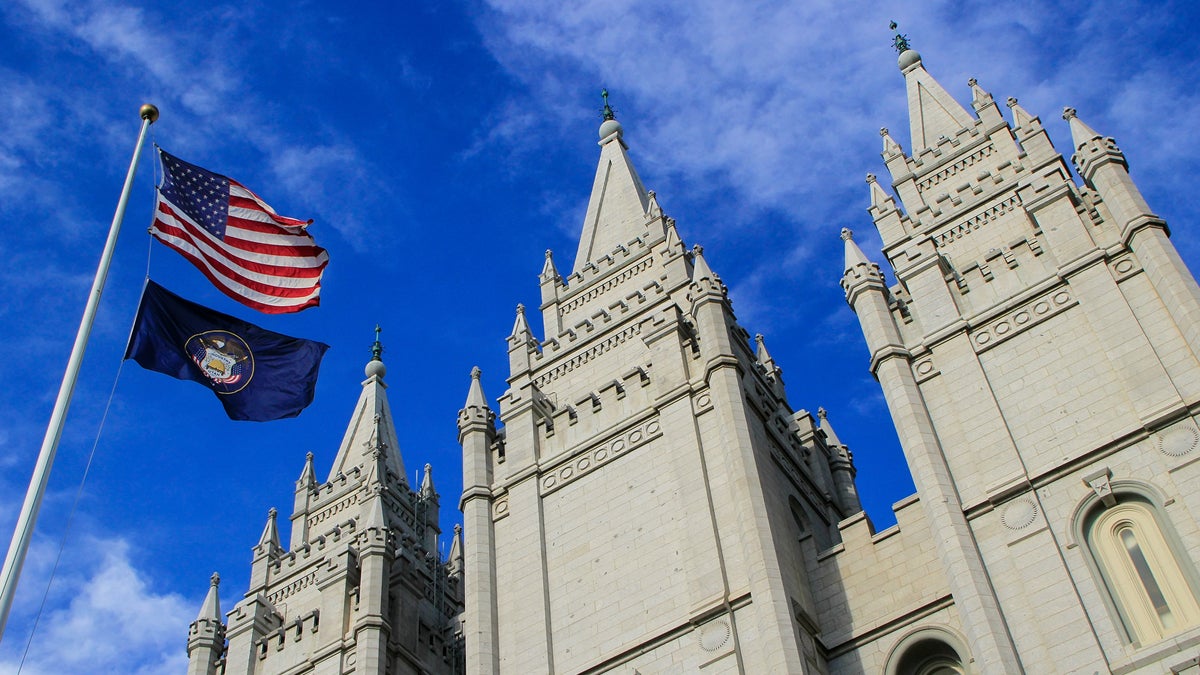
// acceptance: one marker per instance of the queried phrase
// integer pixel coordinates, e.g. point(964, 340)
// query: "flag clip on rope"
point(252, 254)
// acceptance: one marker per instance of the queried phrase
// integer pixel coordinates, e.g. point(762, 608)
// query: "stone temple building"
point(643, 498)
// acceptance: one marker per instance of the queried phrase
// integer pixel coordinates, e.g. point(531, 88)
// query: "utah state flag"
point(258, 375)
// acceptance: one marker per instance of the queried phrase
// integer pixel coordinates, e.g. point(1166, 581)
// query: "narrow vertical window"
point(1142, 567)
point(1144, 577)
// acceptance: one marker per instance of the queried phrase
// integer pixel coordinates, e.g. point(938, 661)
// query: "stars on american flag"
point(201, 194)
point(246, 249)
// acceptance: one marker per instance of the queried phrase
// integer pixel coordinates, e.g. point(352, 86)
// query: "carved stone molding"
point(965, 227)
point(583, 357)
point(1016, 321)
point(565, 472)
point(1100, 483)
point(924, 369)
point(1124, 267)
point(500, 508)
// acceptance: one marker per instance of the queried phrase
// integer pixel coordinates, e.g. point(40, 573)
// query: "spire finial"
point(847, 234)
point(215, 579)
point(607, 111)
point(476, 372)
point(377, 348)
point(1069, 112)
point(375, 365)
point(899, 41)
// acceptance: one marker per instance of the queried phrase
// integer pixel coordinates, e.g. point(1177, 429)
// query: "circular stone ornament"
point(1178, 440)
point(1019, 514)
point(714, 635)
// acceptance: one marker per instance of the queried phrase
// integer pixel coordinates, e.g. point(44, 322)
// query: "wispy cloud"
point(194, 72)
point(108, 618)
point(774, 104)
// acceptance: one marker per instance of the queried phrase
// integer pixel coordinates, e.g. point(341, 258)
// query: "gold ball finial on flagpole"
point(149, 111)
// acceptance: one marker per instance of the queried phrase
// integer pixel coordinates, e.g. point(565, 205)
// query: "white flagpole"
point(41, 472)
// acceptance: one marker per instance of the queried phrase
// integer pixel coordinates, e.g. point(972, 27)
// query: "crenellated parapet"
point(362, 572)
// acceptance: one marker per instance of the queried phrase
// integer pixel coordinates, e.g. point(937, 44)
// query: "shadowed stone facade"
point(643, 498)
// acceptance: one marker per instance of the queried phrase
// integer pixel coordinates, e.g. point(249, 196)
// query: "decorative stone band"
point(952, 170)
point(595, 292)
point(579, 359)
point(290, 589)
point(965, 227)
point(563, 473)
point(792, 470)
point(333, 509)
point(1028, 315)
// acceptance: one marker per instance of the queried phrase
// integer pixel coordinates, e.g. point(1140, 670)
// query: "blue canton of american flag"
point(249, 252)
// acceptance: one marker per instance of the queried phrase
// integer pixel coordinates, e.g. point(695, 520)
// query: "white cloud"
point(193, 80)
point(107, 618)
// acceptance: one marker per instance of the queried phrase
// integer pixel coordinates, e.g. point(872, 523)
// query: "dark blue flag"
point(257, 375)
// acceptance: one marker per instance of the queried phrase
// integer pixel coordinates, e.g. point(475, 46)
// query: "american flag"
point(252, 254)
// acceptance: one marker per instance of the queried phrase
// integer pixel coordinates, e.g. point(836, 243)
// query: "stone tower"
point(645, 504)
point(360, 588)
point(1039, 356)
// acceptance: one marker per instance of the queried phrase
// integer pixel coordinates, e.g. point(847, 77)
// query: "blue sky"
point(441, 148)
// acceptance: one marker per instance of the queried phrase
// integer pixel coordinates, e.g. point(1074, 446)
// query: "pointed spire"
point(617, 209)
point(456, 550)
point(880, 200)
point(854, 255)
point(890, 146)
point(520, 332)
point(933, 113)
point(674, 242)
point(308, 478)
point(376, 520)
point(700, 269)
point(475, 397)
point(549, 271)
point(270, 533)
point(475, 414)
point(371, 426)
point(1081, 133)
point(830, 435)
point(763, 356)
point(211, 609)
point(979, 97)
point(1021, 118)
point(427, 490)
point(653, 210)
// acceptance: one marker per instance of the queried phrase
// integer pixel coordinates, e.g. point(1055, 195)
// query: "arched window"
point(929, 651)
point(1140, 569)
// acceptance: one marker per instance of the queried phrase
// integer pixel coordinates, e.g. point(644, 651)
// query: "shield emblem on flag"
point(224, 359)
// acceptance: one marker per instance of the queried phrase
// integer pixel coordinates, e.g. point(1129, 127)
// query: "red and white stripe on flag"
point(264, 260)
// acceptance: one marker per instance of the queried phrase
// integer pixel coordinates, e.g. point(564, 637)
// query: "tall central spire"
point(933, 113)
point(617, 209)
point(372, 427)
